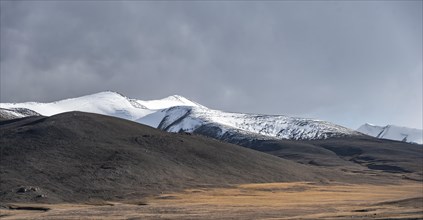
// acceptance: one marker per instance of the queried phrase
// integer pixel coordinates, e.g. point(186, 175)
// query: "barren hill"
point(80, 156)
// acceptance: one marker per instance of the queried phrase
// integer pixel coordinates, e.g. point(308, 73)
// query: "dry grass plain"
point(299, 200)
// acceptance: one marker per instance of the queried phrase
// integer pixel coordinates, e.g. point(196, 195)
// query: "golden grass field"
point(299, 200)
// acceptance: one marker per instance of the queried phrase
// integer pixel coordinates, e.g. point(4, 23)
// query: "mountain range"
point(61, 153)
point(178, 114)
point(81, 157)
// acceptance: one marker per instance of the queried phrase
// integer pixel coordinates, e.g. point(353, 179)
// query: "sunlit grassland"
point(299, 200)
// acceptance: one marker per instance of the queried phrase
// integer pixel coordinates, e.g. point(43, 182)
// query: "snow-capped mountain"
point(7, 114)
point(393, 132)
point(190, 118)
point(178, 114)
point(106, 103)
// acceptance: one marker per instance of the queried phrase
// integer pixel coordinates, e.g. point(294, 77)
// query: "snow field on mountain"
point(176, 113)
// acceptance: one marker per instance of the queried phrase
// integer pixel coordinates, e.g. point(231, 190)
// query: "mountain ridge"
point(166, 114)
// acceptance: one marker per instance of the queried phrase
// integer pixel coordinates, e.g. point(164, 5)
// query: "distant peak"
point(110, 92)
point(177, 97)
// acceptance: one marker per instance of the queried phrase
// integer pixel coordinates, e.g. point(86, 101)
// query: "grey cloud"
point(346, 62)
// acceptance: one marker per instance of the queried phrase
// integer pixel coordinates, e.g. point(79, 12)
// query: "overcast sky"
point(342, 61)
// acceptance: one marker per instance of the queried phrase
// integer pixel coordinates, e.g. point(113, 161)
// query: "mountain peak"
point(106, 93)
point(393, 132)
point(175, 97)
point(170, 101)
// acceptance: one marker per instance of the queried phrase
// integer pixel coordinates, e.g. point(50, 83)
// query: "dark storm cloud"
point(347, 62)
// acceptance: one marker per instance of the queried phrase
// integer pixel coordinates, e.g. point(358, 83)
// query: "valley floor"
point(300, 200)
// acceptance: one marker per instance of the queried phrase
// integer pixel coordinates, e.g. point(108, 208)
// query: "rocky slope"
point(12, 113)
